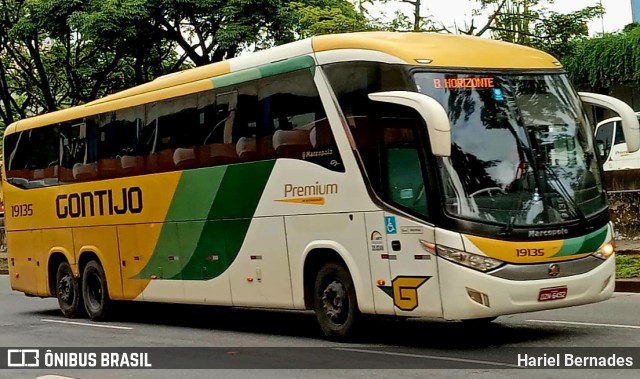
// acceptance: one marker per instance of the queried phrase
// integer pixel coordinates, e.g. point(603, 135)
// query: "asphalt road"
point(289, 344)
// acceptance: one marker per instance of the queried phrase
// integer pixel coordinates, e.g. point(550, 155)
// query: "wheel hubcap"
point(335, 302)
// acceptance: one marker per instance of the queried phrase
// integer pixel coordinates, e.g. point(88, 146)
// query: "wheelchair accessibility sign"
point(390, 224)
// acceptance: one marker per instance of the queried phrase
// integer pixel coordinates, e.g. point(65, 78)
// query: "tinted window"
point(32, 157)
point(79, 142)
point(294, 120)
point(276, 117)
point(404, 182)
point(619, 134)
point(216, 118)
point(604, 137)
point(170, 125)
point(119, 145)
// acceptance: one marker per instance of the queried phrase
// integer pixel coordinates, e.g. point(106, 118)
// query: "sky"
point(617, 12)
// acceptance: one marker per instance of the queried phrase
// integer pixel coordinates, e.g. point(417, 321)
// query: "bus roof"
point(420, 49)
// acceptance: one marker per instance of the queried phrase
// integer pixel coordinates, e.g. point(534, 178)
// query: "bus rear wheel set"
point(85, 295)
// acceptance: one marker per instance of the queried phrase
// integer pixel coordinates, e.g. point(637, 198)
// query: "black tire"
point(68, 291)
point(95, 291)
point(335, 302)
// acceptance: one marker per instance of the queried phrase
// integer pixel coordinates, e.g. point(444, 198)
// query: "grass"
point(627, 266)
point(3, 264)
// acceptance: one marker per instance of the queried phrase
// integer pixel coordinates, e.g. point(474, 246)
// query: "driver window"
point(405, 184)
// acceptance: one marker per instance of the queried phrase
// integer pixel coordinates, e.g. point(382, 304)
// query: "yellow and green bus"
point(399, 174)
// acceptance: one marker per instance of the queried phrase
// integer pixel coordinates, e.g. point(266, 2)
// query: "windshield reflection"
point(522, 152)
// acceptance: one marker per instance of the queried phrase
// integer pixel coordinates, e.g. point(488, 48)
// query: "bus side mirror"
point(431, 111)
point(630, 124)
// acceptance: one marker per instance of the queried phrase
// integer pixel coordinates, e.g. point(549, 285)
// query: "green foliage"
point(528, 22)
point(327, 17)
point(558, 33)
point(627, 266)
point(606, 60)
point(60, 53)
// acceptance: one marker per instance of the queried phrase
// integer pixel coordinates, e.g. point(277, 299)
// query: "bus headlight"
point(605, 251)
point(474, 261)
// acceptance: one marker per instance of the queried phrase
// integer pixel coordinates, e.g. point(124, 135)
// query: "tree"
point(528, 22)
point(420, 22)
point(50, 57)
point(558, 33)
point(603, 61)
point(327, 17)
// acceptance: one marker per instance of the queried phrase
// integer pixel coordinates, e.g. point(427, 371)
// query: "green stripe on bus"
point(271, 69)
point(192, 200)
point(585, 244)
point(208, 221)
point(198, 188)
point(236, 77)
point(235, 203)
point(594, 240)
point(287, 65)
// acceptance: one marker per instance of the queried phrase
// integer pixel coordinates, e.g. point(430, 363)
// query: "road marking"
point(436, 357)
point(586, 324)
point(53, 377)
point(87, 324)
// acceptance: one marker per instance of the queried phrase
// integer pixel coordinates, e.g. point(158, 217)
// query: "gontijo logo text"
point(99, 203)
point(308, 194)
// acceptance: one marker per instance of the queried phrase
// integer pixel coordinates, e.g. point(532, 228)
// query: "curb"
point(627, 285)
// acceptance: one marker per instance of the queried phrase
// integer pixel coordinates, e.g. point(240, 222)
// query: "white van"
point(612, 146)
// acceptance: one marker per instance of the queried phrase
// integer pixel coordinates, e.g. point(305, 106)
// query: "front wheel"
point(335, 302)
point(95, 292)
point(68, 291)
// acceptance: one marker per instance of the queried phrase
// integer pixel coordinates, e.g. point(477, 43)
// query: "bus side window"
point(216, 114)
point(247, 132)
point(604, 139)
point(79, 151)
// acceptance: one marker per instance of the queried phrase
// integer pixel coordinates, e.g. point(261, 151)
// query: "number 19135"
point(22, 210)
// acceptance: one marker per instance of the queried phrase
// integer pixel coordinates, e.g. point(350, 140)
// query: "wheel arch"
point(56, 257)
point(317, 254)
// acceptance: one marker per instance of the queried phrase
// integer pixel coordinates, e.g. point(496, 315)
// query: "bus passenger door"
point(405, 185)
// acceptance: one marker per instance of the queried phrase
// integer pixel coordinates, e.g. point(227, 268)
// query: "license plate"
point(553, 293)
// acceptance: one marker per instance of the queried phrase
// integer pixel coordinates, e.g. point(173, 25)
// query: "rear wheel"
point(335, 302)
point(68, 291)
point(95, 292)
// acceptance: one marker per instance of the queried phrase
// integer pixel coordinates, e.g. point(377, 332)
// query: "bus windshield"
point(522, 151)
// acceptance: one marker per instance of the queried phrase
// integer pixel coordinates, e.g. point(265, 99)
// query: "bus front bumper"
point(469, 294)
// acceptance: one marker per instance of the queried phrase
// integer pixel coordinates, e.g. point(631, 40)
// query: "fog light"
point(478, 297)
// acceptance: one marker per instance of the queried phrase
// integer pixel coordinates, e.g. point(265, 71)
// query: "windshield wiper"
point(566, 196)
